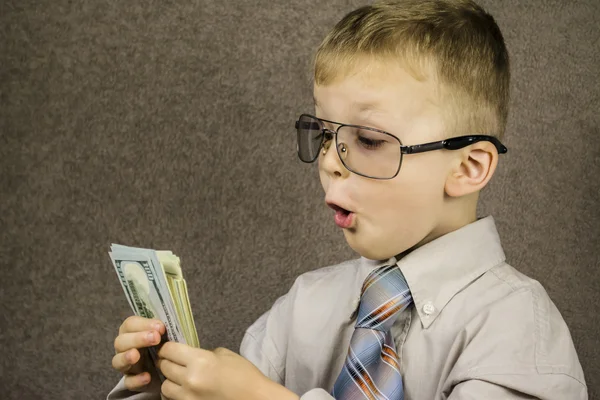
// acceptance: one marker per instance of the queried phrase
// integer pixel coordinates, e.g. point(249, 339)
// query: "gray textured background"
point(168, 124)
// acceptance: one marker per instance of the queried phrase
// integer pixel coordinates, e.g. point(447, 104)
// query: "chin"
point(367, 249)
point(374, 247)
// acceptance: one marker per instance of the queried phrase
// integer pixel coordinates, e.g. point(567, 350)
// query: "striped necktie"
point(371, 370)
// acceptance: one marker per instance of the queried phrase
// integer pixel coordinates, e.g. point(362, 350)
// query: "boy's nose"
point(329, 161)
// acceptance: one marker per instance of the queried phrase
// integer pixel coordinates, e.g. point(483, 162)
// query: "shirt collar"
point(438, 270)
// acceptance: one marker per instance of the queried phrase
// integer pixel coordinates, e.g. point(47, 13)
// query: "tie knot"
point(384, 295)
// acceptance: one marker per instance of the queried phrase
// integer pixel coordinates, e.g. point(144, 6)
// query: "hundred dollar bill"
point(154, 287)
point(178, 289)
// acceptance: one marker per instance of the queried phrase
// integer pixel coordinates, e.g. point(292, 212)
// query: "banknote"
point(154, 286)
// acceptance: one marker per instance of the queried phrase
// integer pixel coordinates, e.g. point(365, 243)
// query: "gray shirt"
point(478, 328)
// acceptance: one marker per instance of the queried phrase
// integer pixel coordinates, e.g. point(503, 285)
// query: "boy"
point(410, 102)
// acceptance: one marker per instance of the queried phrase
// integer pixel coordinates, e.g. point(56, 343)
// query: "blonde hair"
point(453, 42)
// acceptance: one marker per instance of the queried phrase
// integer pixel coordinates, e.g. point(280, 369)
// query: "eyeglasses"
point(369, 152)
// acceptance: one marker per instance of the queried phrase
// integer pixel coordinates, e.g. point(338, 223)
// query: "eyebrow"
point(363, 105)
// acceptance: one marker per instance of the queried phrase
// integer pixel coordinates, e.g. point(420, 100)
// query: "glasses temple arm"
point(453, 144)
point(421, 148)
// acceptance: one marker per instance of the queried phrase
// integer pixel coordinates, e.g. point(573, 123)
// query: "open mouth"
point(343, 218)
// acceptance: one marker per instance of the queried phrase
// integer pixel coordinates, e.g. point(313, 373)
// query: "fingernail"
point(145, 379)
point(156, 327)
point(150, 337)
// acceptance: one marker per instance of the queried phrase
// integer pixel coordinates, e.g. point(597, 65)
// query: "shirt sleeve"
point(518, 348)
point(507, 387)
point(265, 342)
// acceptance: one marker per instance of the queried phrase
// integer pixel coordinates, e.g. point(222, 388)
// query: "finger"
point(173, 372)
point(172, 390)
point(124, 361)
point(137, 382)
point(180, 353)
point(137, 324)
point(137, 340)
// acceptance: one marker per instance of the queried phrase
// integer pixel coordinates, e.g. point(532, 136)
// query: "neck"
point(456, 213)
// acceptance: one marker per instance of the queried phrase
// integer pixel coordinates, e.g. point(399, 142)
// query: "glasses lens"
point(310, 137)
point(367, 152)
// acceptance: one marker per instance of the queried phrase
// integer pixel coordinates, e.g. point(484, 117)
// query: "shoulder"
point(325, 289)
point(325, 280)
point(515, 280)
point(332, 291)
point(520, 303)
point(514, 329)
point(504, 286)
point(518, 298)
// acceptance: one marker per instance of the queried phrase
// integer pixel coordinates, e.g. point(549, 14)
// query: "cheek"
point(415, 194)
point(424, 175)
point(323, 178)
point(397, 204)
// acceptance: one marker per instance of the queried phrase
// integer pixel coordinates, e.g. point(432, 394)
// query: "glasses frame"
point(454, 143)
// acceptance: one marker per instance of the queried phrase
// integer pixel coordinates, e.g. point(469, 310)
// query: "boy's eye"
point(369, 142)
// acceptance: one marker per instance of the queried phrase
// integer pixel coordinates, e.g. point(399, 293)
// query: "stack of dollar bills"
point(154, 286)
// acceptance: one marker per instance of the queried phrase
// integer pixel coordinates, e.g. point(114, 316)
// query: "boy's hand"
point(214, 375)
point(135, 334)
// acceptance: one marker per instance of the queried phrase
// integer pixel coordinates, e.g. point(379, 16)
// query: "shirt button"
point(428, 308)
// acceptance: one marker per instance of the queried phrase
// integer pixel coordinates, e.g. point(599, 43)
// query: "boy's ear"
point(473, 169)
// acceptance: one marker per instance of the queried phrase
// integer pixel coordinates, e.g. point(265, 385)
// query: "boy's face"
point(387, 216)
